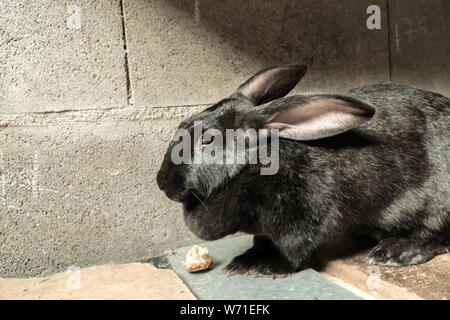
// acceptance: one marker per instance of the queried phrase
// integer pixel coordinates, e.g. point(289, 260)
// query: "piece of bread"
point(197, 258)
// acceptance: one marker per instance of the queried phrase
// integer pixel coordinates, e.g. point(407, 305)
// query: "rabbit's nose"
point(161, 181)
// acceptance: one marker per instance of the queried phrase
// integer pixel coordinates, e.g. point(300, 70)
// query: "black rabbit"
point(373, 161)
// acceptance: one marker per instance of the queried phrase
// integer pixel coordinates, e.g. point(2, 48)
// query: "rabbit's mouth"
point(183, 198)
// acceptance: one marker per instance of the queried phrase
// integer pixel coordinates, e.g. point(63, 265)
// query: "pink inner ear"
point(319, 118)
point(261, 85)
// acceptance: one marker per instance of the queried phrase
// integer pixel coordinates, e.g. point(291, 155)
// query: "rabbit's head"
point(258, 105)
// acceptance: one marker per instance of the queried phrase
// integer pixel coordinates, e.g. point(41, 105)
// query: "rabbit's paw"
point(237, 266)
point(274, 267)
point(242, 264)
point(398, 252)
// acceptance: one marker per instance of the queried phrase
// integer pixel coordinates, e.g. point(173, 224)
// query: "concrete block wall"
point(420, 44)
point(86, 111)
point(47, 64)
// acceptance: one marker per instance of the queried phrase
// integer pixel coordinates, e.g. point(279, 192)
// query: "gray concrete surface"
point(214, 284)
point(48, 65)
point(83, 193)
point(84, 122)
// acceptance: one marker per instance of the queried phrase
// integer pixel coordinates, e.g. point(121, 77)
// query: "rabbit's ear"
point(314, 117)
point(272, 83)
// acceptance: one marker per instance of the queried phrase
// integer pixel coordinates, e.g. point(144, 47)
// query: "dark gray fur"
point(387, 179)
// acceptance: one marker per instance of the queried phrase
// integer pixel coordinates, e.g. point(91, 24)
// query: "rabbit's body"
point(413, 130)
point(388, 178)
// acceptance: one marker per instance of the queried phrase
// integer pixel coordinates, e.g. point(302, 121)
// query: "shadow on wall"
point(222, 43)
point(211, 43)
point(330, 36)
point(420, 46)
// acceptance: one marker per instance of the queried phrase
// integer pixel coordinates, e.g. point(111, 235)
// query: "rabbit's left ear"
point(272, 83)
point(313, 117)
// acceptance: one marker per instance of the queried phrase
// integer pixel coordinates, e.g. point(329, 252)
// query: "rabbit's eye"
point(206, 141)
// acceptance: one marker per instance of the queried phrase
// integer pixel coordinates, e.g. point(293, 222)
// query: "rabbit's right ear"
point(310, 117)
point(272, 83)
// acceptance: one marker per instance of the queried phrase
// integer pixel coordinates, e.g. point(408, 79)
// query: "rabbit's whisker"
point(203, 204)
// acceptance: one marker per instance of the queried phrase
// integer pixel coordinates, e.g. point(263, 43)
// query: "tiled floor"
point(344, 274)
point(126, 281)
